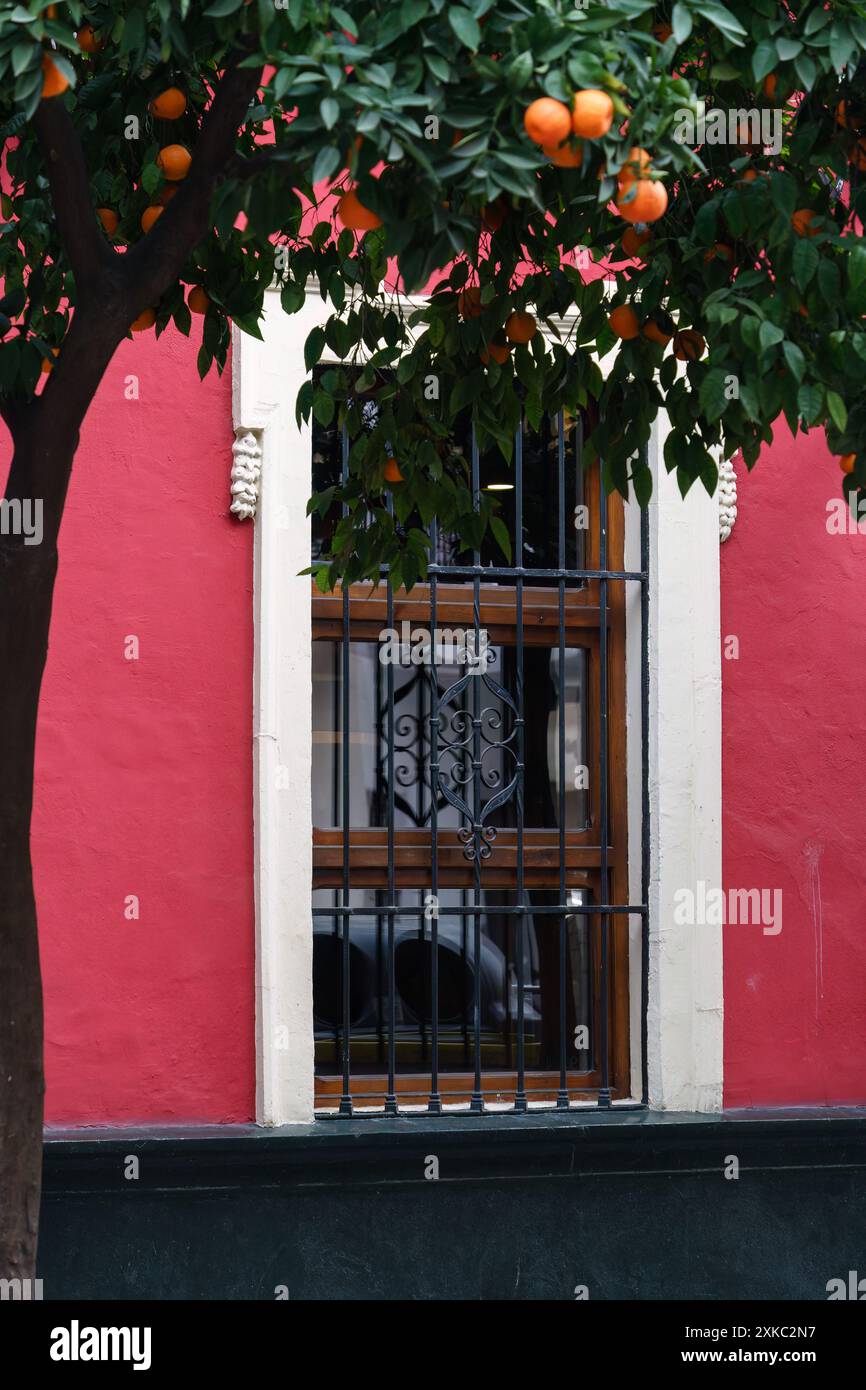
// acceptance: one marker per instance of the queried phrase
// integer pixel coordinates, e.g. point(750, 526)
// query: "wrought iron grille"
point(469, 947)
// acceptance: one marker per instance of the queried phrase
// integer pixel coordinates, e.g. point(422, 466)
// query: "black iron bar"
point(604, 1098)
point(549, 909)
point(391, 1097)
point(520, 1102)
point(345, 747)
point(477, 1102)
point(434, 1103)
point(562, 1095)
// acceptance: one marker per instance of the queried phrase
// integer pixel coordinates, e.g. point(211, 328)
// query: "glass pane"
point(493, 741)
point(496, 963)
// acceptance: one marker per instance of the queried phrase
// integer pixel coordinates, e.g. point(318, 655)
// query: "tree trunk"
point(27, 573)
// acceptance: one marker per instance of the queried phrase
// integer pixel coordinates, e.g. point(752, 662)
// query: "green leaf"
point(838, 410)
point(465, 26)
point(795, 360)
point(314, 347)
point(805, 261)
point(681, 23)
point(810, 402)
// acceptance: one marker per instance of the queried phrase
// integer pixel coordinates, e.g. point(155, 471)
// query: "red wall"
point(794, 784)
point(144, 767)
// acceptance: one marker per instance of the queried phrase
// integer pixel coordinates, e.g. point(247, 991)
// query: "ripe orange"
point(633, 240)
point(169, 105)
point(198, 300)
point(567, 156)
point(720, 251)
point(643, 200)
point(688, 345)
point(591, 113)
point(174, 161)
point(469, 302)
point(844, 119)
point(655, 334)
point(857, 154)
point(392, 472)
point(53, 81)
point(87, 40)
point(636, 166)
point(624, 322)
point(802, 222)
point(846, 463)
point(150, 215)
point(109, 219)
point(662, 32)
point(769, 86)
point(499, 352)
point(520, 327)
point(146, 319)
point(48, 365)
point(354, 215)
point(167, 193)
point(546, 121)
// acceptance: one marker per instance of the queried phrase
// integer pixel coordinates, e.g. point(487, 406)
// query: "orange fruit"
point(633, 240)
point(843, 118)
point(354, 215)
point(48, 365)
point(547, 122)
point(624, 322)
point(87, 40)
point(150, 215)
point(146, 319)
point(174, 161)
point(53, 81)
point(109, 219)
point(591, 113)
point(655, 334)
point(169, 105)
point(720, 251)
point(198, 300)
point(769, 85)
point(469, 302)
point(802, 222)
point(520, 327)
point(566, 156)
point(636, 166)
point(494, 214)
point(858, 155)
point(392, 472)
point(643, 200)
point(846, 463)
point(499, 352)
point(662, 32)
point(688, 345)
point(167, 193)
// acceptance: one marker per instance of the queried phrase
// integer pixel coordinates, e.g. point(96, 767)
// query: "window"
point(470, 856)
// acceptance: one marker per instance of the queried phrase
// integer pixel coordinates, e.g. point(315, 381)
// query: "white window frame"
point(271, 477)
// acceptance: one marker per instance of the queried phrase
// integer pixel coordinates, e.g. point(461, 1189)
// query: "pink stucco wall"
point(144, 771)
point(794, 780)
point(144, 767)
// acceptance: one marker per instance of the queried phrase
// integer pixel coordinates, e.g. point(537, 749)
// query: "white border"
point(684, 1023)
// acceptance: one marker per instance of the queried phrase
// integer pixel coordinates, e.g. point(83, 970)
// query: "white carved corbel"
point(246, 473)
point(727, 499)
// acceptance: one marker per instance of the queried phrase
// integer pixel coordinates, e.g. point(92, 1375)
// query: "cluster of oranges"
point(174, 161)
point(560, 130)
point(688, 343)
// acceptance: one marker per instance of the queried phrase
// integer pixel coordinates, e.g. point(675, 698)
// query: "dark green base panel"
point(628, 1205)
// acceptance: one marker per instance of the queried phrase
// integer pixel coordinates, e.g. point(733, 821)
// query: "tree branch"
point(86, 248)
point(151, 266)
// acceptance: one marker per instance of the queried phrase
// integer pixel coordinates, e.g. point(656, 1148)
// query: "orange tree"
point(474, 147)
